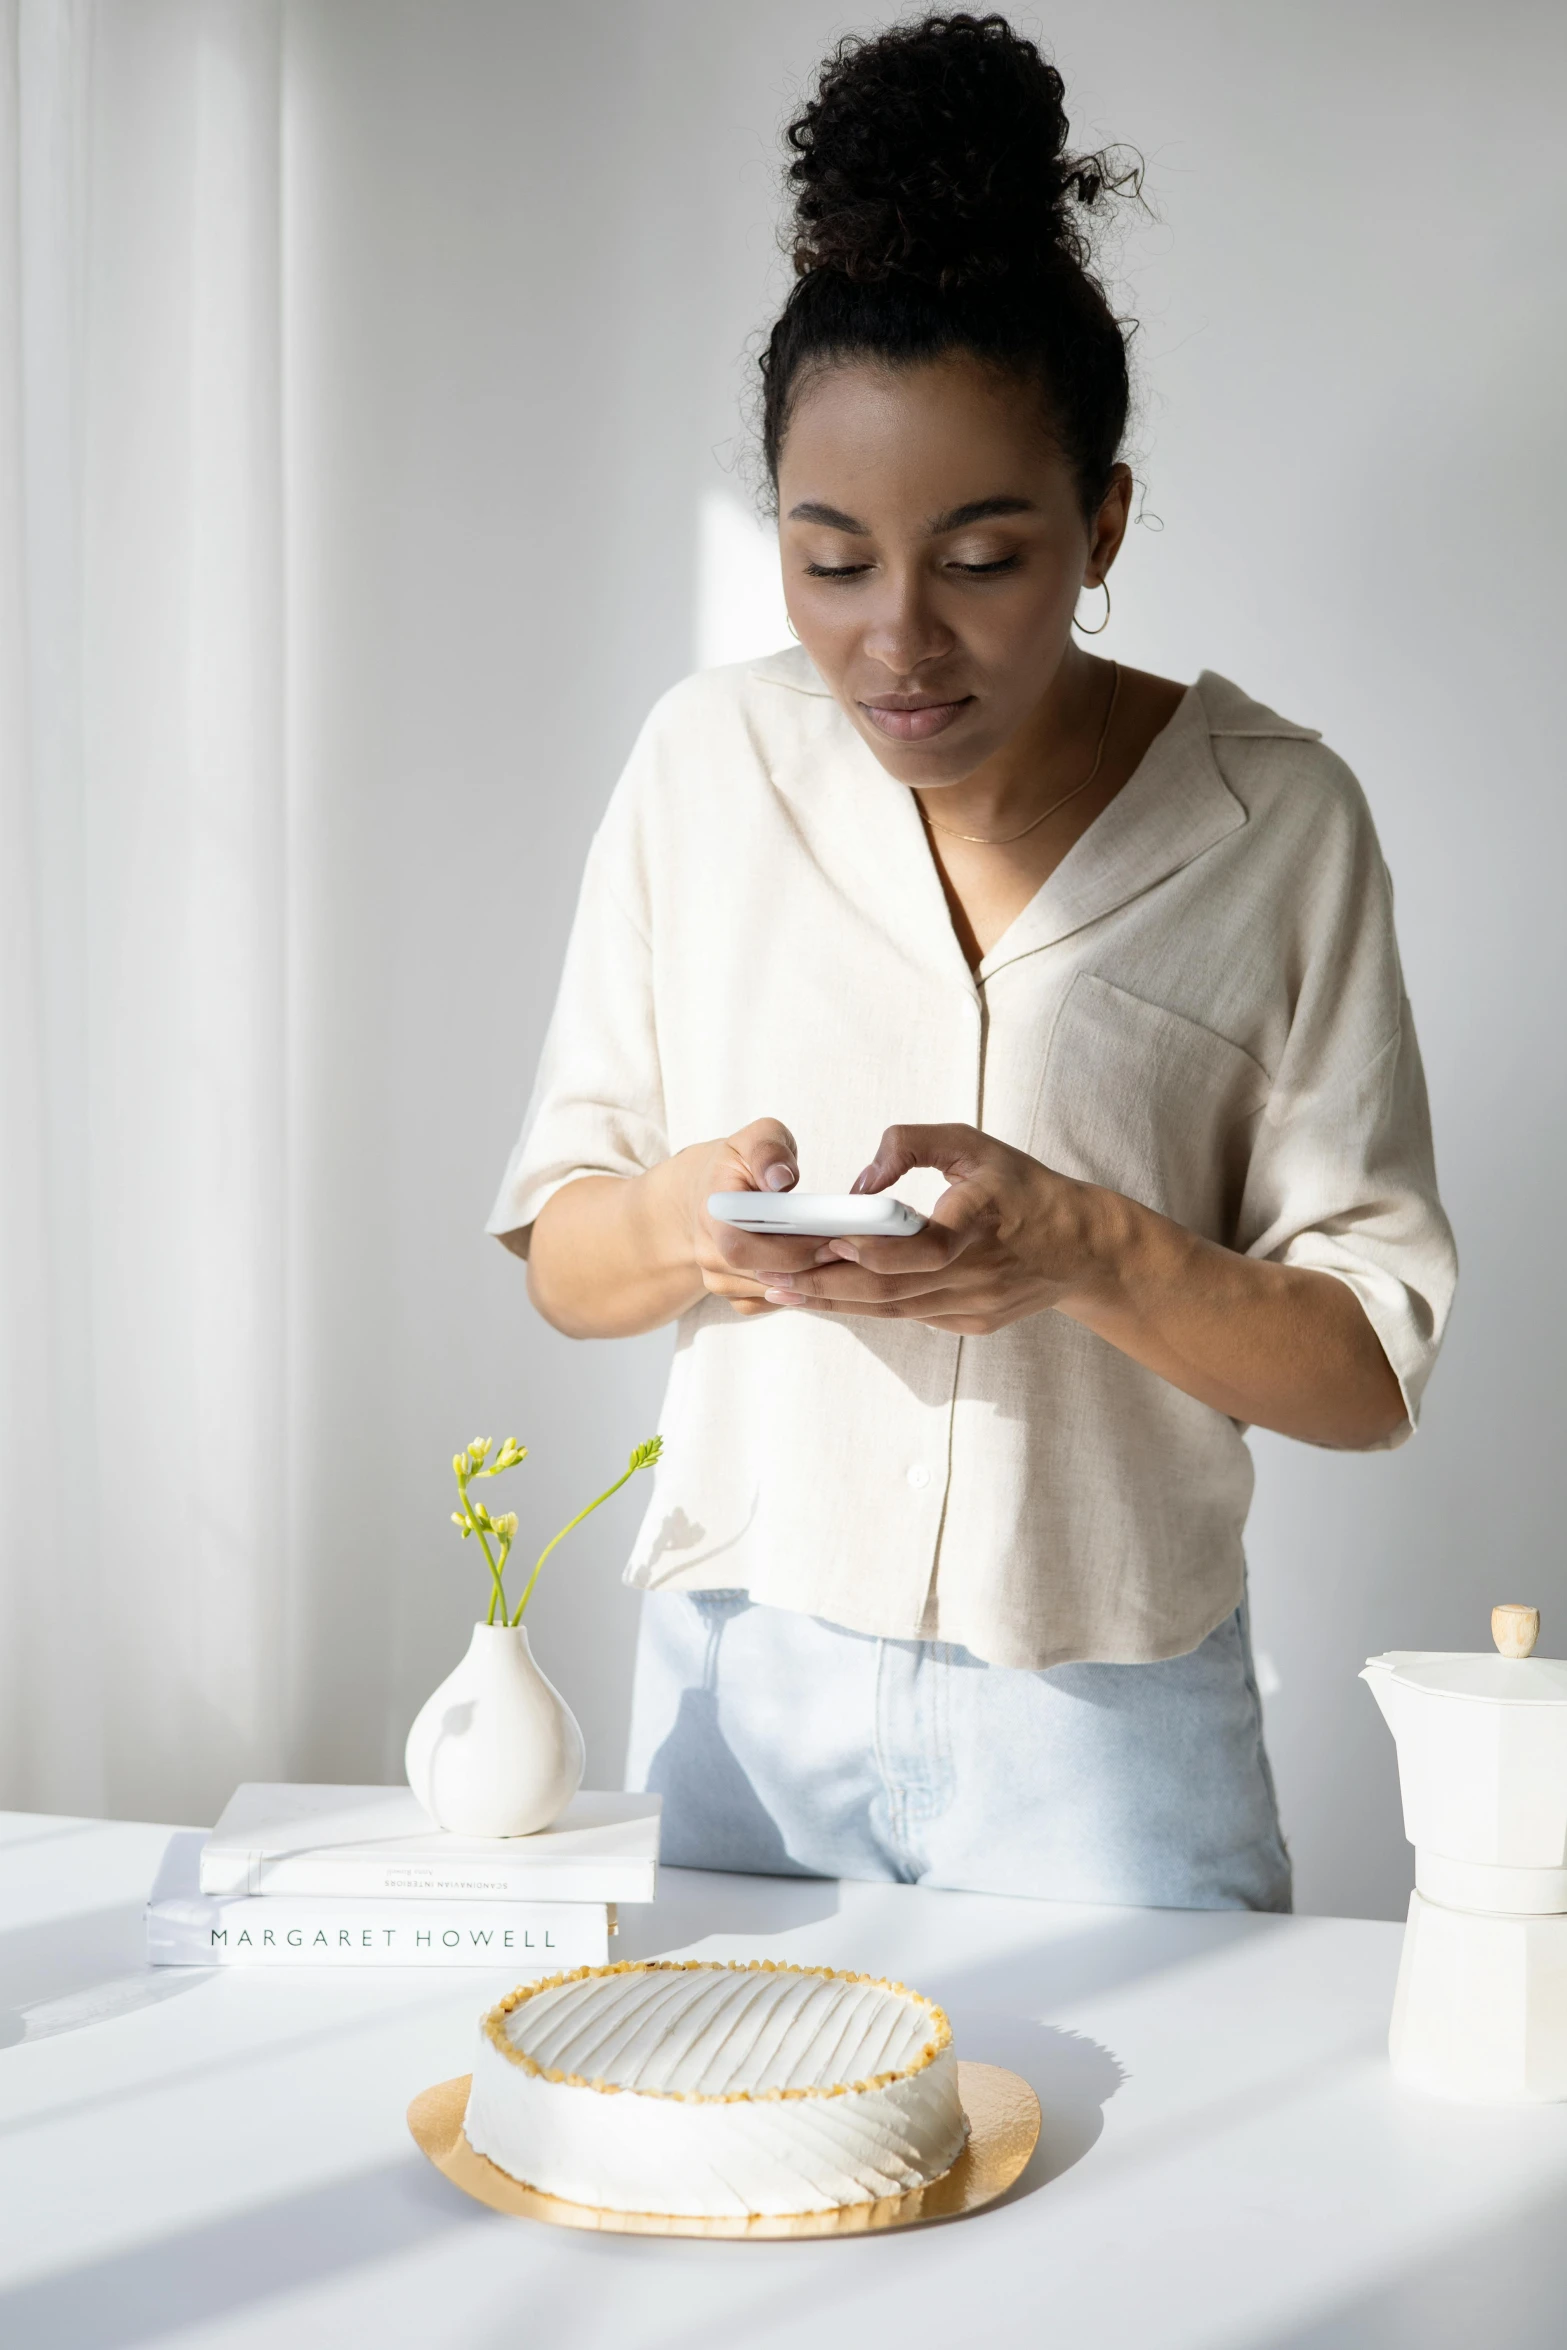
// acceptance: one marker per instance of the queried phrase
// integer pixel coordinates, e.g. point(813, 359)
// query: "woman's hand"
point(612, 1255)
point(736, 1265)
point(1007, 1238)
point(1280, 1346)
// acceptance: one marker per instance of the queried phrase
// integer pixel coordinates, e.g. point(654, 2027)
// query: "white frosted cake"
point(709, 2091)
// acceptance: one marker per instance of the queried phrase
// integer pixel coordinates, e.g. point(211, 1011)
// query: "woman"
point(944, 1567)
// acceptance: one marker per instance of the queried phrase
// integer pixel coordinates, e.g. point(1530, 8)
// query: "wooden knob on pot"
point(1515, 1629)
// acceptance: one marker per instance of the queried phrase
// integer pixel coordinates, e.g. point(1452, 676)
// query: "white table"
point(221, 2159)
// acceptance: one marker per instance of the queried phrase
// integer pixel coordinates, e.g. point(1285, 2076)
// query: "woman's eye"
point(990, 570)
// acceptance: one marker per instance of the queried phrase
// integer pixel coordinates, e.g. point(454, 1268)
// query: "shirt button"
point(919, 1475)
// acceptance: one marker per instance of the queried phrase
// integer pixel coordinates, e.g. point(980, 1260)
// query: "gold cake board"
point(1003, 2118)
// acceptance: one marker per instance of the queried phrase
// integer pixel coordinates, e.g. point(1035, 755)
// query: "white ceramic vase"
point(496, 1750)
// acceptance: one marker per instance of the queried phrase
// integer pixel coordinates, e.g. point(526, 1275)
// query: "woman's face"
point(934, 549)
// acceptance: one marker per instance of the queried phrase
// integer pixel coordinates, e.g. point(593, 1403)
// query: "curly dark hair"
point(936, 208)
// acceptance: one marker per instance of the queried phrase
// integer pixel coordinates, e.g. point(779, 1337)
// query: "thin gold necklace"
point(987, 840)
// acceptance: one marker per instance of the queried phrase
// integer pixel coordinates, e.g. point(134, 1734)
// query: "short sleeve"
point(598, 1102)
point(1342, 1177)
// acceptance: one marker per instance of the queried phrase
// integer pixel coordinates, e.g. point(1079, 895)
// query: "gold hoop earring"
point(1104, 624)
point(789, 625)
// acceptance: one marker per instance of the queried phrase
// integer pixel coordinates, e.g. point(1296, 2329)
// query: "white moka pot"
point(496, 1750)
point(1482, 1762)
point(1480, 2012)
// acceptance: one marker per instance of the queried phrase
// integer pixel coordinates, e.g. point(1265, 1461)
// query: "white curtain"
point(283, 889)
point(144, 921)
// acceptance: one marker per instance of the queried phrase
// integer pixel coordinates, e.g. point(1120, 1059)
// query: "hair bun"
point(937, 210)
point(937, 151)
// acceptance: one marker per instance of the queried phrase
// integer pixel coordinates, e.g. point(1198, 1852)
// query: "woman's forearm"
point(612, 1256)
point(1280, 1346)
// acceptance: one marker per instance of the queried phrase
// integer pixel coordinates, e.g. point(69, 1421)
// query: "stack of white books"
point(361, 1876)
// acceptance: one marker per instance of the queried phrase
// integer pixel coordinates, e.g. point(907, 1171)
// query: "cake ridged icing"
point(707, 2090)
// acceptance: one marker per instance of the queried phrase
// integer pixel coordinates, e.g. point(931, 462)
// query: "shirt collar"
point(792, 667)
point(1173, 808)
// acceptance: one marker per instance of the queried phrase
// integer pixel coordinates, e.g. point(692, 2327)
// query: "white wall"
point(529, 245)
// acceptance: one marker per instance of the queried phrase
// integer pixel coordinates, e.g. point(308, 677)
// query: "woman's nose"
point(902, 632)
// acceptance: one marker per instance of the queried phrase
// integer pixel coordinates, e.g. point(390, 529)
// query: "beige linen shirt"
point(1201, 1008)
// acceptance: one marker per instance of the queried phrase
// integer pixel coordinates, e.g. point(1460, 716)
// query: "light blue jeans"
point(791, 1747)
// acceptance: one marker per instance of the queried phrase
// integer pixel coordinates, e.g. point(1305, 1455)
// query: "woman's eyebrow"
point(978, 510)
point(834, 517)
point(956, 517)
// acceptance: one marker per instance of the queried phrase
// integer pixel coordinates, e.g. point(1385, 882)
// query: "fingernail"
point(863, 1177)
point(778, 1179)
point(845, 1251)
point(782, 1297)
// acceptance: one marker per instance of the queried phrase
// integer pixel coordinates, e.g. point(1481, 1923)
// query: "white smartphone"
point(817, 1215)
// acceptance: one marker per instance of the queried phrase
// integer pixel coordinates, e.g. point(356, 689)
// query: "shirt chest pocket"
point(1149, 1104)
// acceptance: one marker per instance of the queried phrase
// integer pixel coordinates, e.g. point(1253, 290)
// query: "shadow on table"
point(231, 2264)
point(1500, 2286)
point(991, 2000)
point(1119, 1946)
point(694, 1903)
point(52, 1982)
point(1073, 2077)
point(56, 1835)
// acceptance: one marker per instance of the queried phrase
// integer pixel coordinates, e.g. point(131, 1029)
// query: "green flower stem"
point(496, 1572)
point(568, 1529)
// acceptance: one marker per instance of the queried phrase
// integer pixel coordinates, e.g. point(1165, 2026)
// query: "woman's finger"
point(761, 1253)
point(841, 1284)
point(961, 1219)
point(885, 1310)
point(955, 1151)
point(922, 1252)
point(767, 1151)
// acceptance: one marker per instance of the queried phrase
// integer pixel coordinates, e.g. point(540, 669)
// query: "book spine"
point(524, 1937)
point(337, 1876)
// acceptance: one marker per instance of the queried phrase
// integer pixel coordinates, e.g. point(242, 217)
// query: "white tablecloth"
point(222, 2159)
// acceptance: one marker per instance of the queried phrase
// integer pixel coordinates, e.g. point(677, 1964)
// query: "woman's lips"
point(914, 722)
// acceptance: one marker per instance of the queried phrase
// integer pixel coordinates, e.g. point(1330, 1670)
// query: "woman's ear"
point(1109, 526)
